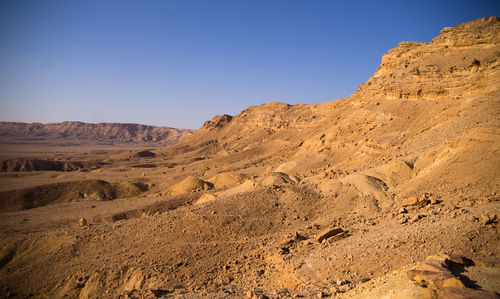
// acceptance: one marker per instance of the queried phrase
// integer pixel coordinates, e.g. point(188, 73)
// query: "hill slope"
point(405, 113)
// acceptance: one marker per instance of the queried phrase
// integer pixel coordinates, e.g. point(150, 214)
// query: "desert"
point(393, 192)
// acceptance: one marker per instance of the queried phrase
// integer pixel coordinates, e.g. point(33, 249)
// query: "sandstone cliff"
point(461, 62)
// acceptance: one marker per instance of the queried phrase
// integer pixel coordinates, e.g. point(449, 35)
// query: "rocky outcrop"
point(217, 122)
point(441, 277)
point(463, 60)
point(462, 63)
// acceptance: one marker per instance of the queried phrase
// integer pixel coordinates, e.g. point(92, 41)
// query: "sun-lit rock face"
point(462, 61)
point(217, 122)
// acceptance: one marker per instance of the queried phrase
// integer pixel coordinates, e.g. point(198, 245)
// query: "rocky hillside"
point(461, 62)
point(101, 132)
point(342, 199)
point(428, 106)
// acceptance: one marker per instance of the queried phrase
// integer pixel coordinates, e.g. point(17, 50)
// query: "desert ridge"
point(90, 133)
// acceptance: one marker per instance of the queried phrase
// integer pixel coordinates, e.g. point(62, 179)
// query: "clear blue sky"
point(178, 63)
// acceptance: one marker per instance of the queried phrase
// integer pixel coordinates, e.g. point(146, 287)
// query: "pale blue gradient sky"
point(179, 63)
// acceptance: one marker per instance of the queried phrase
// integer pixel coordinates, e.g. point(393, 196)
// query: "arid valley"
point(393, 192)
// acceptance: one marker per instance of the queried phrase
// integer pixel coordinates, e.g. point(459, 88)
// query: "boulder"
point(82, 222)
point(434, 266)
point(410, 201)
point(328, 234)
point(434, 279)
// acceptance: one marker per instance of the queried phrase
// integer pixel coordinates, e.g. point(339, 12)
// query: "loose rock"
point(328, 234)
point(82, 222)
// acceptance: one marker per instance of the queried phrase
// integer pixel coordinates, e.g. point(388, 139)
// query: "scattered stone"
point(472, 218)
point(420, 201)
point(342, 282)
point(410, 201)
point(416, 218)
point(334, 290)
point(328, 234)
point(290, 240)
point(402, 210)
point(489, 219)
point(300, 237)
point(284, 250)
point(434, 200)
point(82, 222)
point(403, 219)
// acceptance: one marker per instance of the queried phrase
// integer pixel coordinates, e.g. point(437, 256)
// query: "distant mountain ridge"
point(100, 132)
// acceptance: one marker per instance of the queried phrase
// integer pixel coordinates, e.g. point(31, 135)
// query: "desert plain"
point(393, 192)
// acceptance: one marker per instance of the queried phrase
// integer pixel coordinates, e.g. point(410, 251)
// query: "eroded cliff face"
point(425, 98)
point(462, 61)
